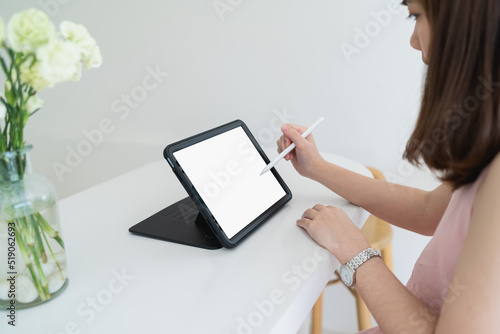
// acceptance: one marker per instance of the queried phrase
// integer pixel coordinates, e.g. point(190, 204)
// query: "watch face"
point(346, 276)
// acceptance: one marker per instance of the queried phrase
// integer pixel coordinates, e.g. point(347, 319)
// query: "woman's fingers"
point(313, 212)
point(319, 207)
point(309, 214)
point(305, 223)
point(283, 142)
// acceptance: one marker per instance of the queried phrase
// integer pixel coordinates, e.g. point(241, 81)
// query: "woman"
point(454, 286)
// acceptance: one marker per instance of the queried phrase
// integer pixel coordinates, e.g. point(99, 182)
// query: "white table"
point(124, 283)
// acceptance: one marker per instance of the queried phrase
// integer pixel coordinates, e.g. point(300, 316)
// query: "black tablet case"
point(182, 222)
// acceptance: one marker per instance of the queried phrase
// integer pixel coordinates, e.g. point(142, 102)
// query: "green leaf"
point(9, 95)
point(4, 66)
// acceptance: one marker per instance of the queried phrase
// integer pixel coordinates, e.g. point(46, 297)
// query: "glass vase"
point(32, 256)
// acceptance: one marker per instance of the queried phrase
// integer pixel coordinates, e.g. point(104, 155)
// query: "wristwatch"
point(348, 270)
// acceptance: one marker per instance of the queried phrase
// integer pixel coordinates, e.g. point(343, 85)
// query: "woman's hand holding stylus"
point(305, 157)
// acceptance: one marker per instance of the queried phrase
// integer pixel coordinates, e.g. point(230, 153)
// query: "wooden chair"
point(379, 234)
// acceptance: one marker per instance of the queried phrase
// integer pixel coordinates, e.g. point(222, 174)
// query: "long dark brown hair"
point(458, 129)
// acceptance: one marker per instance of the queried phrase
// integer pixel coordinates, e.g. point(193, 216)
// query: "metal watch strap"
point(362, 257)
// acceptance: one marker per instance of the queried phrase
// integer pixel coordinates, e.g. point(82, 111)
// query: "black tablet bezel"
point(168, 153)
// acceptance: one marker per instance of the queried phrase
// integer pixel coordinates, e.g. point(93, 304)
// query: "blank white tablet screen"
point(225, 171)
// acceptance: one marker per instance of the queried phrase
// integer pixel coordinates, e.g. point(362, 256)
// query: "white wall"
point(264, 56)
point(265, 59)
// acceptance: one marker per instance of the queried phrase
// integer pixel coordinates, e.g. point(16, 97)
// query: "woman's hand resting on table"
point(329, 226)
point(332, 229)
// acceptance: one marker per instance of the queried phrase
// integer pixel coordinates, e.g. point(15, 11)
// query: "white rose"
point(78, 34)
point(31, 75)
point(34, 103)
point(57, 61)
point(78, 72)
point(29, 29)
point(2, 30)
point(95, 59)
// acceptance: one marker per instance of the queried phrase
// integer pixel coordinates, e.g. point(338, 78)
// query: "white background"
point(266, 63)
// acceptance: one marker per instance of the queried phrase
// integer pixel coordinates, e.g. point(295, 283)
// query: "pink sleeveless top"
point(433, 271)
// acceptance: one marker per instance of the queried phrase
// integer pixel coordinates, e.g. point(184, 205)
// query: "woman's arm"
point(413, 209)
point(394, 307)
point(472, 302)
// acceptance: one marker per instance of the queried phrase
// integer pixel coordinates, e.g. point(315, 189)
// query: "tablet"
point(220, 171)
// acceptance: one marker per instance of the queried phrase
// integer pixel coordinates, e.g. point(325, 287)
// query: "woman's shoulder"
point(494, 167)
point(490, 187)
point(496, 161)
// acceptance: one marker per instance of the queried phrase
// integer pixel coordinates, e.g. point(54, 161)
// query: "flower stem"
point(41, 276)
point(25, 253)
point(25, 230)
point(39, 249)
point(53, 256)
point(48, 229)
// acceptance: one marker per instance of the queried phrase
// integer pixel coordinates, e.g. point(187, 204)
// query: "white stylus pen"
point(291, 147)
